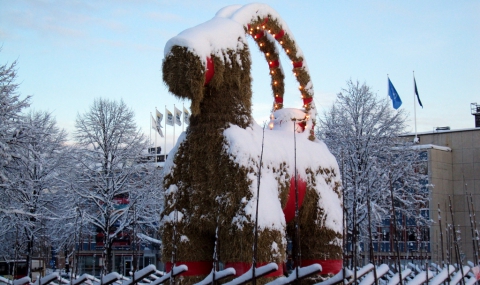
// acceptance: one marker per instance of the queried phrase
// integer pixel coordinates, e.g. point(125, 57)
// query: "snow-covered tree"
point(111, 182)
point(11, 107)
point(363, 132)
point(32, 180)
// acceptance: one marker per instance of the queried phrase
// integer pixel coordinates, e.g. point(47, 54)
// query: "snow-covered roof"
point(432, 146)
point(441, 132)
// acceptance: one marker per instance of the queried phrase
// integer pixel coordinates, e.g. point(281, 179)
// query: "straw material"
point(207, 188)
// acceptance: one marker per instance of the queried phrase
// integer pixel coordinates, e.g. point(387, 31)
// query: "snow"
point(176, 270)
point(396, 278)
point(225, 31)
point(259, 271)
point(169, 164)
point(215, 36)
point(146, 271)
point(302, 272)
point(370, 278)
point(150, 239)
point(442, 275)
point(432, 146)
point(171, 217)
point(421, 277)
point(458, 276)
point(364, 270)
point(244, 147)
point(110, 278)
point(337, 278)
point(47, 279)
point(218, 275)
point(83, 279)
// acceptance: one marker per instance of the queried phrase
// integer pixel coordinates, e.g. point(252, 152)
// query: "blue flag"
point(416, 92)
point(397, 102)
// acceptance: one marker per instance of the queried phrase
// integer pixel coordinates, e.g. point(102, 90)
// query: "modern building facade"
point(453, 168)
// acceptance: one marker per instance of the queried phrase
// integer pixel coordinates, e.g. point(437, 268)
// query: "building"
point(453, 168)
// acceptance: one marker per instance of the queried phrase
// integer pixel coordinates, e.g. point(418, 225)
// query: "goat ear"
point(184, 74)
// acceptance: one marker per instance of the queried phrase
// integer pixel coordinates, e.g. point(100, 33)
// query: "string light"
point(273, 63)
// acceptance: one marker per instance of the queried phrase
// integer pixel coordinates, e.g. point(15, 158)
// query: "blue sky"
point(70, 52)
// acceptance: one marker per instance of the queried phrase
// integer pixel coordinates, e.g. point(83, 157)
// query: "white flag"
point(159, 118)
point(178, 116)
point(169, 117)
point(186, 116)
point(156, 125)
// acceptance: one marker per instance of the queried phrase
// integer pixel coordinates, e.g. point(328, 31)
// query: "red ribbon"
point(279, 100)
point(329, 266)
point(210, 71)
point(195, 268)
point(297, 64)
point(289, 210)
point(242, 267)
point(302, 125)
point(279, 35)
point(307, 101)
point(273, 63)
point(259, 35)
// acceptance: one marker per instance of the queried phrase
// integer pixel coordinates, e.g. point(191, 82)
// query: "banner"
point(186, 116)
point(178, 116)
point(416, 92)
point(169, 117)
point(397, 102)
point(156, 125)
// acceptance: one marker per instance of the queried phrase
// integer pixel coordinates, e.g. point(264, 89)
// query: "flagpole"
point(414, 109)
point(150, 138)
point(155, 146)
point(174, 119)
point(166, 118)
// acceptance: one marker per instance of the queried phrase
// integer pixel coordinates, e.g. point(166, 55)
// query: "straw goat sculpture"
point(211, 174)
